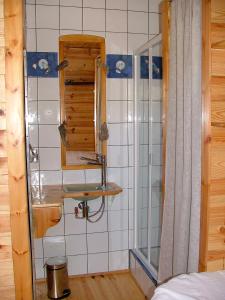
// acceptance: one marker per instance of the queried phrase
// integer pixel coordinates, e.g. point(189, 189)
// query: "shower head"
point(62, 65)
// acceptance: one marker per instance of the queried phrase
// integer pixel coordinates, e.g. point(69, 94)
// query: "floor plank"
point(110, 286)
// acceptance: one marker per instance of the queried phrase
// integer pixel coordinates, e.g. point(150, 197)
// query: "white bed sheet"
point(197, 286)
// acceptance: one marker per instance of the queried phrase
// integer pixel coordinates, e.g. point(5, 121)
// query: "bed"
point(195, 286)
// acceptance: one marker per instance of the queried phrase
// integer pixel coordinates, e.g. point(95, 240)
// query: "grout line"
point(101, 8)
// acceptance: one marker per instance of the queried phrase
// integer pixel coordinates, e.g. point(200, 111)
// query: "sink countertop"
point(53, 195)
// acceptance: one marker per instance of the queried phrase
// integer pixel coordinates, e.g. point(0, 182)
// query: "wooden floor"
point(112, 286)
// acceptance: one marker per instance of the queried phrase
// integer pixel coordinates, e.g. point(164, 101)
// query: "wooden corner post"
point(14, 18)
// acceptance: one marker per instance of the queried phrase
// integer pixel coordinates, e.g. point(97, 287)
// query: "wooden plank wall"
point(7, 286)
point(212, 253)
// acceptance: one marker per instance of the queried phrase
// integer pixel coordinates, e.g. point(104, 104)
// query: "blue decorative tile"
point(157, 72)
point(156, 67)
point(119, 66)
point(144, 67)
point(42, 64)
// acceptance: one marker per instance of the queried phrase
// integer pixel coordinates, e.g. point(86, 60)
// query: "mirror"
point(82, 73)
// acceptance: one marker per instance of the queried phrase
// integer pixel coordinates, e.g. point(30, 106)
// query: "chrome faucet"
point(100, 160)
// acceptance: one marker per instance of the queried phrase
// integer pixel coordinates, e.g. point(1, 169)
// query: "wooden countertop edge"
point(54, 195)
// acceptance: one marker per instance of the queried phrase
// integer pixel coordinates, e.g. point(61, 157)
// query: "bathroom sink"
point(89, 191)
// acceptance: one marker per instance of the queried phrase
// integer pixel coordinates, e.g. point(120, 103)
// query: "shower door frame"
point(147, 46)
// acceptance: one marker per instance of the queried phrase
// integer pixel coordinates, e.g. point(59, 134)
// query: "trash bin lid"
point(57, 262)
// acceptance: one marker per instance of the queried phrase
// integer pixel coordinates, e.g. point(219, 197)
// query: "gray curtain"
point(181, 215)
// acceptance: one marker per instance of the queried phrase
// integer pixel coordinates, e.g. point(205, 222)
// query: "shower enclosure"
point(148, 153)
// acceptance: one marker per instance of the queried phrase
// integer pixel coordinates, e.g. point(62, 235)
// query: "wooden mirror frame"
point(82, 39)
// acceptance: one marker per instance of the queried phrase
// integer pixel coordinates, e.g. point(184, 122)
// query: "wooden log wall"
point(212, 250)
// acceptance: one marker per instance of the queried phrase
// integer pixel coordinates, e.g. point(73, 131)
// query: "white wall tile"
point(118, 220)
point(70, 177)
point(74, 225)
point(141, 5)
point(156, 155)
point(137, 22)
point(54, 246)
point(97, 242)
point(118, 175)
point(77, 265)
point(131, 219)
point(93, 175)
point(156, 133)
point(39, 270)
point(48, 89)
point(69, 205)
point(131, 198)
point(70, 18)
point(100, 226)
point(32, 112)
point(49, 136)
point(154, 5)
point(130, 89)
point(118, 134)
point(155, 216)
point(117, 156)
point(32, 84)
point(50, 158)
point(49, 112)
point(116, 89)
point(50, 177)
point(33, 134)
point(156, 196)
point(71, 3)
point(130, 133)
point(116, 4)
point(30, 16)
point(131, 239)
point(156, 93)
point(76, 244)
point(94, 19)
point(38, 248)
point(47, 40)
point(153, 23)
point(118, 202)
point(116, 43)
point(57, 229)
point(31, 44)
point(118, 260)
point(68, 31)
point(156, 175)
point(98, 33)
point(116, 21)
point(94, 3)
point(131, 155)
point(47, 16)
point(97, 262)
point(118, 240)
point(117, 111)
point(95, 204)
point(48, 2)
point(135, 41)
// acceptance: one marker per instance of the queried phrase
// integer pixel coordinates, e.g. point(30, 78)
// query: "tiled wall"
point(126, 24)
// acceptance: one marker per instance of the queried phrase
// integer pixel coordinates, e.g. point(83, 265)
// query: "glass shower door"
point(148, 161)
